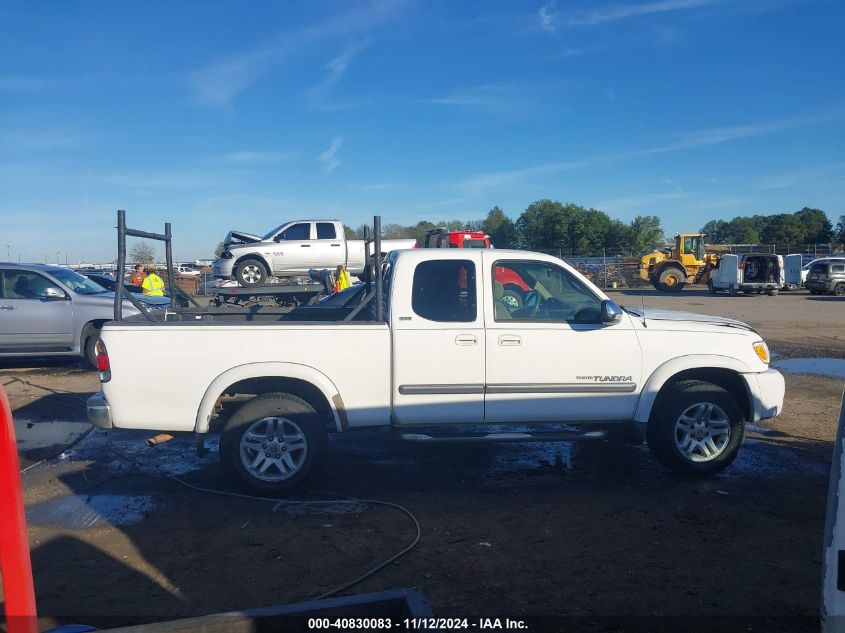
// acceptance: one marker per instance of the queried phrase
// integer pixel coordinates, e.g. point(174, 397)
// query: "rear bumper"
point(823, 286)
point(99, 412)
point(766, 390)
point(770, 285)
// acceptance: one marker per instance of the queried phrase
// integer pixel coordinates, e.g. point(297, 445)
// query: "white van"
point(755, 272)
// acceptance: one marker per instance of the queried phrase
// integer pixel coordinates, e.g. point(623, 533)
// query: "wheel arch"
point(95, 324)
point(723, 371)
point(274, 377)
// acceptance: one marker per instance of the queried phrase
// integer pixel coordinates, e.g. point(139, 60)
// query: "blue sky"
point(218, 115)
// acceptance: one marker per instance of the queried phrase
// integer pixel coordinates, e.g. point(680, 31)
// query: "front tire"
point(839, 290)
point(697, 430)
point(671, 280)
point(274, 442)
point(251, 272)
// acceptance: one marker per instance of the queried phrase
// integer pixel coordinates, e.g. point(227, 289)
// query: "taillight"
point(103, 365)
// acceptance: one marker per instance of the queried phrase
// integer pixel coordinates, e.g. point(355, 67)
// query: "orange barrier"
point(15, 565)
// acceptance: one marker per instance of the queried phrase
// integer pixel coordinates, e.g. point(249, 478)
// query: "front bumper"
point(99, 412)
point(767, 390)
point(223, 267)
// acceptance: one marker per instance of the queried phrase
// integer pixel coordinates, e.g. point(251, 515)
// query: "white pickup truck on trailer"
point(432, 351)
point(293, 249)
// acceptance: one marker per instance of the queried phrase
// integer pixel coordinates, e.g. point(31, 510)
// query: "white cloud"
point(329, 157)
point(219, 82)
point(615, 12)
point(547, 18)
point(803, 176)
point(497, 99)
point(253, 157)
point(41, 140)
point(21, 83)
point(335, 70)
point(479, 183)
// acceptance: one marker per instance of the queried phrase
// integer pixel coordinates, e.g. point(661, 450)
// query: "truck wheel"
point(773, 293)
point(710, 287)
point(251, 272)
point(273, 442)
point(89, 338)
point(839, 289)
point(697, 430)
point(671, 280)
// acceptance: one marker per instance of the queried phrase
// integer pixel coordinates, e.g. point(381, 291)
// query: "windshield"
point(271, 234)
point(78, 283)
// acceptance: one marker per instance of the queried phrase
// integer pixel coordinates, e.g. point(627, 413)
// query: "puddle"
point(83, 511)
point(35, 435)
point(831, 367)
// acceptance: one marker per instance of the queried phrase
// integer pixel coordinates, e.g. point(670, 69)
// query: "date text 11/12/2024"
point(416, 624)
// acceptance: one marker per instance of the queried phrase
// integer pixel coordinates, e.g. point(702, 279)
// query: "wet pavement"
point(830, 367)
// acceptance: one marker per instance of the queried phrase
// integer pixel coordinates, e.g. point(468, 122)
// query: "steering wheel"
point(532, 300)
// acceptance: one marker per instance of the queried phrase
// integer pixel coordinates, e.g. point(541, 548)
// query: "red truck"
point(514, 290)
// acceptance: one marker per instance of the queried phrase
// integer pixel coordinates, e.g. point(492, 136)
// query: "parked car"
point(805, 271)
point(755, 273)
point(51, 311)
point(185, 269)
point(447, 356)
point(827, 276)
point(293, 249)
point(110, 283)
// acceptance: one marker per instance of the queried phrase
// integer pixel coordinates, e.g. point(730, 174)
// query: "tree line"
point(546, 225)
point(807, 226)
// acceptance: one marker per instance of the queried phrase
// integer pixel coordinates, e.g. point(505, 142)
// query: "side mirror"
point(53, 294)
point(610, 312)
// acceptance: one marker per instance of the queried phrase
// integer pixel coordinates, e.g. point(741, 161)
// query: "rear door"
point(30, 322)
point(293, 251)
point(792, 270)
point(729, 272)
point(438, 344)
point(329, 251)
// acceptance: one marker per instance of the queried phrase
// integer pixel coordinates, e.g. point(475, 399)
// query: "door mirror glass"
point(610, 312)
point(52, 293)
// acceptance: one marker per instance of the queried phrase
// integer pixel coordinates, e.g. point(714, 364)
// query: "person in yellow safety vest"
point(341, 279)
point(153, 285)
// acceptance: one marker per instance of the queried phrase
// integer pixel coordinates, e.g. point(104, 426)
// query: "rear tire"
point(839, 289)
point(697, 430)
point(251, 272)
point(89, 338)
point(710, 287)
point(274, 442)
point(671, 279)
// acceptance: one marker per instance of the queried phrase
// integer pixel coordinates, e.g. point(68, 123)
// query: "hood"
point(655, 314)
point(240, 237)
point(108, 297)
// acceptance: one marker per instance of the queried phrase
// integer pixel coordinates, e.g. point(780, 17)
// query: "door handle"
point(305, 246)
point(465, 339)
point(8, 308)
point(336, 245)
point(509, 339)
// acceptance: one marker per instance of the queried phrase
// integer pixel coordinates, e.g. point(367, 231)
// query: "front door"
point(293, 249)
point(29, 321)
point(438, 346)
point(549, 356)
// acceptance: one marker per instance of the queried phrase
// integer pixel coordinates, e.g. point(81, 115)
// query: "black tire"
point(662, 433)
point(671, 279)
point(251, 272)
point(839, 289)
point(814, 292)
point(710, 287)
point(297, 414)
point(733, 291)
point(89, 338)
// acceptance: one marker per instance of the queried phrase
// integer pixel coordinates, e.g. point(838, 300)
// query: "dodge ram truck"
point(293, 249)
point(437, 355)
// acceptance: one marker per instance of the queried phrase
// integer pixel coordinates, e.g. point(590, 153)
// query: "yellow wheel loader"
point(686, 263)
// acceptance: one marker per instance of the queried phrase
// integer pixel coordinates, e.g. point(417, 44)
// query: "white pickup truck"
point(448, 361)
point(293, 249)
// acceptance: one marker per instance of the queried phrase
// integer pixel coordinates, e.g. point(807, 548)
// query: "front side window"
point(326, 231)
point(299, 231)
point(24, 284)
point(541, 291)
point(444, 291)
point(78, 283)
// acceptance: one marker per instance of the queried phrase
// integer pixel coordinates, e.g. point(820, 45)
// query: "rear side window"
point(24, 285)
point(837, 268)
point(818, 268)
point(300, 231)
point(326, 231)
point(444, 291)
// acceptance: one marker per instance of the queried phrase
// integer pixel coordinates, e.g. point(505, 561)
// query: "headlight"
point(762, 351)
